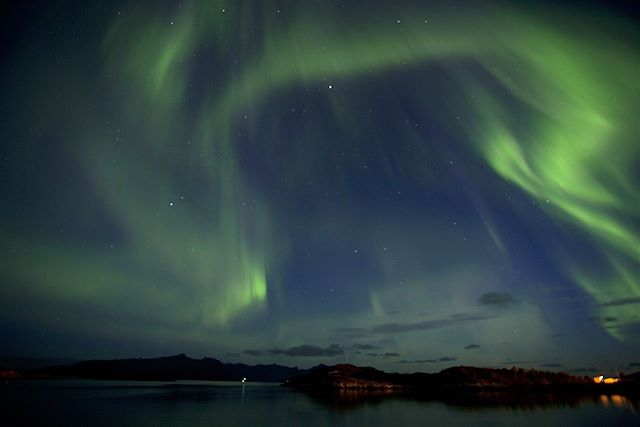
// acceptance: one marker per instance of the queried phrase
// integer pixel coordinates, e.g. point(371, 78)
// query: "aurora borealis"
point(404, 184)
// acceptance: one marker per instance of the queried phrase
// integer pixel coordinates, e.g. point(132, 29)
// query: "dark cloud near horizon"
point(309, 351)
point(583, 370)
point(472, 346)
point(497, 299)
point(447, 359)
point(366, 347)
point(384, 355)
point(518, 362)
point(620, 301)
point(552, 365)
point(634, 364)
point(251, 352)
point(453, 320)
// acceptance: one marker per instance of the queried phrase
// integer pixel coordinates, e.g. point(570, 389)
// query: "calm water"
point(121, 403)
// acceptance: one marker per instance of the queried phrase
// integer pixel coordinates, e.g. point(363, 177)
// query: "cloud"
point(510, 362)
point(583, 370)
point(497, 299)
point(416, 361)
point(552, 365)
point(253, 352)
point(396, 328)
point(309, 351)
point(472, 346)
point(383, 355)
point(611, 319)
point(456, 319)
point(634, 364)
point(620, 301)
point(365, 347)
point(447, 359)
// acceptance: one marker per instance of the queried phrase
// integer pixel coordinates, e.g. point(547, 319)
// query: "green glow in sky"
point(557, 157)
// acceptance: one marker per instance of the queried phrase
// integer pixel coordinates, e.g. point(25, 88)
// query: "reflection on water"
point(344, 400)
point(619, 401)
point(72, 403)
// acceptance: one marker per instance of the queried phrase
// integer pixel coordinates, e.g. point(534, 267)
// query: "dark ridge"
point(349, 378)
point(178, 367)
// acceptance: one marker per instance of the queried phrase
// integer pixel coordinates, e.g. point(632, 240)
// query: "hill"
point(179, 367)
point(349, 377)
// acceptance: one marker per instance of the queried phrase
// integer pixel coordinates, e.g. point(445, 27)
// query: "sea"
point(213, 403)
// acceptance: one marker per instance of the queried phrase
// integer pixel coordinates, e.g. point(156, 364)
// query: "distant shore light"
point(602, 380)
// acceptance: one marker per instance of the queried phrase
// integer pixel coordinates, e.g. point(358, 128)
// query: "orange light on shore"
point(602, 380)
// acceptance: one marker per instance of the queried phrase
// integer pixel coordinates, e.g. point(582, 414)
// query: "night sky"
point(407, 185)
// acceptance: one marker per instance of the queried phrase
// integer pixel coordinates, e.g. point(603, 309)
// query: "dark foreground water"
point(123, 403)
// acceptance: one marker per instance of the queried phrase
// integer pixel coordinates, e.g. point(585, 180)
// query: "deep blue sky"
point(408, 185)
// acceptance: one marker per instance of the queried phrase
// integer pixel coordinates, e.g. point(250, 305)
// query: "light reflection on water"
point(619, 401)
point(132, 403)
